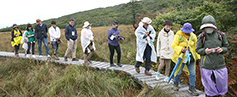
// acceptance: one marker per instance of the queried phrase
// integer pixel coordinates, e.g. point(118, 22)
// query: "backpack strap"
point(203, 37)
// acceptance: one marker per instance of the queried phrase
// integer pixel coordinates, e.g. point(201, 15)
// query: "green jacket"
point(213, 60)
point(31, 36)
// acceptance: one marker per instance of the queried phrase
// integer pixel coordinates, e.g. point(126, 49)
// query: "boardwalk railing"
point(129, 69)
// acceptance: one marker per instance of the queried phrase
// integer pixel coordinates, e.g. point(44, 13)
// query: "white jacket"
point(86, 36)
point(141, 43)
point(163, 46)
point(54, 33)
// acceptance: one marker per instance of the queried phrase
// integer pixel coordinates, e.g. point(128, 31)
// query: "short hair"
point(72, 19)
point(28, 26)
point(38, 20)
point(53, 22)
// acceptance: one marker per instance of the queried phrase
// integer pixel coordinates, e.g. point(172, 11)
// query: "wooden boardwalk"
point(128, 69)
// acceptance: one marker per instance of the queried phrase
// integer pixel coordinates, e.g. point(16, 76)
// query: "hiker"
point(41, 35)
point(71, 36)
point(163, 48)
point(185, 42)
point(16, 38)
point(24, 41)
point(145, 34)
point(29, 33)
point(55, 34)
point(211, 45)
point(87, 42)
point(113, 42)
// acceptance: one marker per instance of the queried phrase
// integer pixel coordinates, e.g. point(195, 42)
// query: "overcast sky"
point(27, 11)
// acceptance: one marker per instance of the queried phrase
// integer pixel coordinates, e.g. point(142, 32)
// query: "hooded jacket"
point(213, 60)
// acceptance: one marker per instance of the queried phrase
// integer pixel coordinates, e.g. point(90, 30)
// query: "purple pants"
point(215, 82)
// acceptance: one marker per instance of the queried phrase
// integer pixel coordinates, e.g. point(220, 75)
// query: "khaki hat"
point(146, 20)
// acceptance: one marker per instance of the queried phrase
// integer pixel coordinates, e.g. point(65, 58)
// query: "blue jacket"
point(68, 32)
point(115, 41)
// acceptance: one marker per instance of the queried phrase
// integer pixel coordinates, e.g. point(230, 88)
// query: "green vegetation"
point(33, 78)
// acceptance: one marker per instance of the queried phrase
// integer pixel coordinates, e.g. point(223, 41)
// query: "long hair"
point(28, 26)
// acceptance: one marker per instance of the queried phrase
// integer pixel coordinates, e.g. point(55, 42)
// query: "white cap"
point(86, 24)
point(146, 20)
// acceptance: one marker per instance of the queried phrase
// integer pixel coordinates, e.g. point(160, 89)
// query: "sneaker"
point(48, 56)
point(193, 91)
point(65, 59)
point(148, 73)
point(27, 56)
point(157, 76)
point(166, 79)
point(112, 65)
point(137, 69)
point(176, 86)
point(40, 56)
point(120, 65)
point(74, 59)
point(33, 56)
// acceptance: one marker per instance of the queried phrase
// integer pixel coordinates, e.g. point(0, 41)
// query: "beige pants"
point(164, 62)
point(90, 54)
point(71, 47)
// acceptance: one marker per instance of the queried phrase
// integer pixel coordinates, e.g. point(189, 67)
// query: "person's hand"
point(208, 51)
point(91, 40)
point(219, 50)
point(116, 36)
point(17, 34)
point(183, 49)
point(146, 33)
point(146, 41)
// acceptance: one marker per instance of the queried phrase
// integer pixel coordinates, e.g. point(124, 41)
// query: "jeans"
point(147, 56)
point(17, 48)
point(55, 47)
point(118, 50)
point(45, 45)
point(191, 72)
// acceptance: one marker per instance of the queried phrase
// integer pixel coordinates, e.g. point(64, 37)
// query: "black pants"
point(17, 48)
point(118, 50)
point(147, 56)
point(31, 44)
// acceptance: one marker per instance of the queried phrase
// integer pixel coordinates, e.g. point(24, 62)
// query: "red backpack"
point(203, 36)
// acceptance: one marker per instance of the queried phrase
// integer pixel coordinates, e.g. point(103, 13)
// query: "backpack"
point(203, 37)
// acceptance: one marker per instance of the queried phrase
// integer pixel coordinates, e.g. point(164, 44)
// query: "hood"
point(208, 21)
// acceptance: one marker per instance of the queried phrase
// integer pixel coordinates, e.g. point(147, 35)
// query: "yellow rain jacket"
point(179, 42)
point(16, 40)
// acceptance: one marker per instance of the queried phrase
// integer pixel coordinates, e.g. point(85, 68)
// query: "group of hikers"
point(207, 49)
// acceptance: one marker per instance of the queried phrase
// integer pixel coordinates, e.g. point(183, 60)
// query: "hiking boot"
point(65, 59)
point(148, 73)
point(193, 91)
point(74, 59)
point(120, 65)
point(176, 86)
point(137, 69)
point(112, 65)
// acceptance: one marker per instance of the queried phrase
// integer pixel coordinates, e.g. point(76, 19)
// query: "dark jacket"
point(213, 60)
point(68, 32)
point(41, 31)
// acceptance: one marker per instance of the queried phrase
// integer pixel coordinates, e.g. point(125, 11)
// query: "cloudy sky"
point(27, 11)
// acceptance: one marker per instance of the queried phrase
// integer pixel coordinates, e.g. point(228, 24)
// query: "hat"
point(187, 28)
point(168, 22)
point(86, 24)
point(115, 22)
point(146, 20)
point(14, 26)
point(72, 19)
point(53, 22)
point(38, 20)
point(208, 21)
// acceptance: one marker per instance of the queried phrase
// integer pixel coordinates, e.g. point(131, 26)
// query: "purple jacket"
point(115, 41)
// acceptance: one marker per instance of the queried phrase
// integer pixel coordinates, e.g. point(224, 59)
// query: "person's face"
point(38, 23)
point(168, 27)
point(146, 25)
point(71, 23)
point(29, 27)
point(88, 27)
point(188, 34)
point(54, 25)
point(115, 25)
point(15, 28)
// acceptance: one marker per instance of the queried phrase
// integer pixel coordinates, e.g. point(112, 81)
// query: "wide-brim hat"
point(209, 25)
point(14, 26)
point(187, 28)
point(86, 24)
point(146, 20)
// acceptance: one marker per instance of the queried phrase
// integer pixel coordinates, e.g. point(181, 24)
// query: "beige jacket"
point(163, 46)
